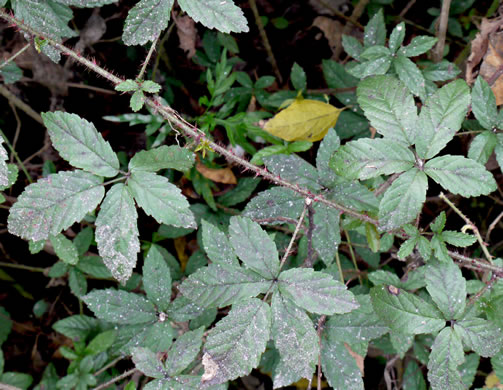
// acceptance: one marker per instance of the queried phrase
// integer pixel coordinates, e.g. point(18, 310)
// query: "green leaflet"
point(460, 175)
point(146, 20)
point(120, 306)
point(441, 118)
point(481, 336)
point(240, 193)
point(234, 346)
point(413, 377)
point(146, 361)
point(53, 204)
point(293, 168)
point(410, 74)
point(358, 326)
point(482, 146)
point(339, 367)
point(298, 77)
point(271, 206)
point(366, 158)
point(161, 199)
point(296, 340)
point(375, 30)
point(390, 108)
point(86, 3)
point(254, 247)
point(405, 312)
point(117, 232)
point(396, 37)
point(11, 73)
point(163, 157)
point(326, 233)
point(79, 143)
point(157, 279)
point(447, 288)
point(445, 357)
point(65, 249)
point(316, 292)
point(77, 327)
point(77, 282)
point(223, 16)
point(440, 71)
point(220, 285)
point(352, 46)
point(217, 246)
point(183, 351)
point(403, 200)
point(328, 145)
point(419, 45)
point(484, 104)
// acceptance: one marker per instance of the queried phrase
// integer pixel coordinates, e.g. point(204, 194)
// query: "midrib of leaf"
point(418, 314)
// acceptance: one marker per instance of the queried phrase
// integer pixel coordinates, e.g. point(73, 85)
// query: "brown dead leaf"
point(187, 34)
point(492, 65)
point(180, 245)
point(220, 175)
point(480, 45)
point(359, 359)
point(332, 30)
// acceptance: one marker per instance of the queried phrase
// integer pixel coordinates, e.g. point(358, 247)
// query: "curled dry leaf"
point(187, 34)
point(219, 175)
point(491, 66)
point(332, 30)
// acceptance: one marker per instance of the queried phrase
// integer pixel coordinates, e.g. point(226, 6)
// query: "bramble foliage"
point(243, 300)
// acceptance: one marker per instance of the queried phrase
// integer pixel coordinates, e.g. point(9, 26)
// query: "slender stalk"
point(353, 257)
point(470, 225)
point(11, 58)
point(116, 379)
point(20, 104)
point(147, 60)
point(339, 267)
point(438, 51)
point(21, 266)
point(296, 231)
point(109, 365)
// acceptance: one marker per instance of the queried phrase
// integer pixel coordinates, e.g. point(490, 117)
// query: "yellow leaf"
point(493, 382)
point(303, 120)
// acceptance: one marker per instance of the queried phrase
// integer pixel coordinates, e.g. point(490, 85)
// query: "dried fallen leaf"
point(187, 34)
point(492, 65)
point(303, 120)
point(332, 30)
point(220, 175)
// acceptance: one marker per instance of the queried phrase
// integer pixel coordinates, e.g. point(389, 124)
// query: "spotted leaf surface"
point(146, 361)
point(120, 306)
point(161, 199)
point(271, 206)
point(254, 247)
point(146, 20)
point(220, 285)
point(79, 143)
point(157, 279)
point(117, 232)
point(4, 171)
point(54, 203)
point(296, 340)
point(293, 168)
point(234, 346)
point(339, 367)
point(326, 234)
point(86, 3)
point(163, 157)
point(217, 246)
point(222, 15)
point(480, 335)
point(316, 292)
point(183, 351)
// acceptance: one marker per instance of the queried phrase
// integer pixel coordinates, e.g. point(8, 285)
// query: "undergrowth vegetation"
point(256, 232)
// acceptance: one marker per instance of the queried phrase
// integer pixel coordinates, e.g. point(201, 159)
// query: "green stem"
point(147, 60)
point(21, 266)
point(339, 267)
point(11, 58)
point(353, 257)
point(20, 163)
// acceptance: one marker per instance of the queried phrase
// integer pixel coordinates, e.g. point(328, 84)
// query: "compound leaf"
point(224, 16)
point(163, 157)
point(366, 158)
point(54, 203)
point(484, 104)
point(220, 285)
point(120, 306)
point(146, 20)
point(441, 117)
point(117, 232)
point(161, 199)
point(234, 346)
point(254, 247)
point(403, 200)
point(445, 357)
point(296, 340)
point(481, 336)
point(447, 288)
point(316, 292)
point(405, 312)
point(461, 175)
point(217, 246)
point(390, 108)
point(157, 279)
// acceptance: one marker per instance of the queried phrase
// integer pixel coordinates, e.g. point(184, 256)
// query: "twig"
point(339, 267)
point(22, 266)
point(92, 88)
point(307, 202)
point(19, 103)
point(147, 60)
point(384, 186)
point(321, 323)
point(265, 40)
point(488, 285)
point(310, 229)
point(111, 364)
point(470, 225)
point(116, 379)
point(493, 225)
point(353, 257)
point(438, 51)
point(407, 8)
point(387, 376)
point(11, 58)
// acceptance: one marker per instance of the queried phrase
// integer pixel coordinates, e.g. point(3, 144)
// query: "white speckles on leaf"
point(54, 204)
point(4, 180)
point(157, 279)
point(117, 232)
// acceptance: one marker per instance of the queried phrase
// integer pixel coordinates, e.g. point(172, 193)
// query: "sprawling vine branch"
point(175, 119)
